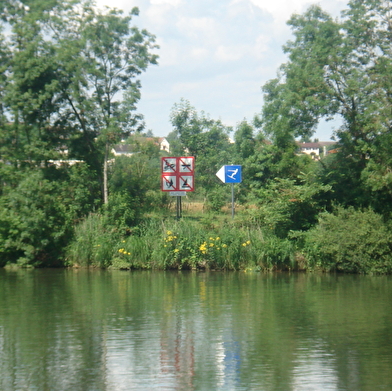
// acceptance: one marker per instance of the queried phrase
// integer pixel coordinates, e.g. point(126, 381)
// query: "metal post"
point(179, 208)
point(232, 200)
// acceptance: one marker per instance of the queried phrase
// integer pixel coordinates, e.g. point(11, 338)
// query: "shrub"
point(35, 222)
point(350, 240)
point(284, 206)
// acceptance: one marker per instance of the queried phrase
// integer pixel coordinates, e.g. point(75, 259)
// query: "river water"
point(119, 330)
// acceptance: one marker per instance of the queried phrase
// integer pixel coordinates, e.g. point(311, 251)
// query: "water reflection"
point(96, 330)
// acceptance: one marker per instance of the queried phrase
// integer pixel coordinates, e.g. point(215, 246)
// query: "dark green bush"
point(349, 240)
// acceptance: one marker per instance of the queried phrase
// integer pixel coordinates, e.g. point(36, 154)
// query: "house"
point(314, 148)
point(130, 149)
point(164, 145)
point(124, 150)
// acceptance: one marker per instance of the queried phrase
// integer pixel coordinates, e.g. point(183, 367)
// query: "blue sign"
point(230, 174)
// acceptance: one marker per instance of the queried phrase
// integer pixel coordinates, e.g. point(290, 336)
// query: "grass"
point(199, 240)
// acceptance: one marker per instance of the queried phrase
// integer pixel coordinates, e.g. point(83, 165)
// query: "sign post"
point(177, 177)
point(230, 174)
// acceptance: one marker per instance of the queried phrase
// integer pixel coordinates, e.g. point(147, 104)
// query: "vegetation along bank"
point(68, 97)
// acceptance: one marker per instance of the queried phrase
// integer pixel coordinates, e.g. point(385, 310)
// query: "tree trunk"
point(105, 175)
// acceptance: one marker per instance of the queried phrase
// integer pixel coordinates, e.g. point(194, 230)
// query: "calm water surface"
point(112, 330)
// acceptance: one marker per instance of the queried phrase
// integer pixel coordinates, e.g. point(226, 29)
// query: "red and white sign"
point(169, 164)
point(177, 173)
point(186, 183)
point(186, 164)
point(169, 183)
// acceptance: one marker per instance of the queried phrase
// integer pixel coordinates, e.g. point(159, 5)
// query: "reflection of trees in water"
point(65, 330)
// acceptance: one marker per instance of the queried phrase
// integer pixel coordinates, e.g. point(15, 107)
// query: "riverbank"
point(345, 241)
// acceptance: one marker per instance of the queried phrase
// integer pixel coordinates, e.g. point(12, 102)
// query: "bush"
point(35, 223)
point(350, 240)
point(285, 206)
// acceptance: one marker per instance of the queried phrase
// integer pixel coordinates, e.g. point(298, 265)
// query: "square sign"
point(186, 164)
point(230, 174)
point(169, 183)
point(169, 164)
point(186, 183)
point(177, 173)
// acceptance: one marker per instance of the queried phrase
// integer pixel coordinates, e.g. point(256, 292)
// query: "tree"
point(68, 82)
point(244, 140)
point(72, 79)
point(30, 84)
point(101, 57)
point(336, 68)
point(205, 139)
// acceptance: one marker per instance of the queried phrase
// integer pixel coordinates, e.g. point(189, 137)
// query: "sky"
point(216, 54)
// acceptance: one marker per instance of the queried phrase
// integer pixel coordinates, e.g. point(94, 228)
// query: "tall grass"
point(171, 244)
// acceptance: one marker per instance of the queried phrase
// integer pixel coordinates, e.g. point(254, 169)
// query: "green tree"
point(68, 82)
point(336, 68)
point(101, 56)
point(30, 84)
point(244, 140)
point(71, 80)
point(286, 205)
point(205, 139)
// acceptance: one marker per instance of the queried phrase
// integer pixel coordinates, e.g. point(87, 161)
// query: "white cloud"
point(261, 45)
point(217, 54)
point(229, 53)
point(198, 29)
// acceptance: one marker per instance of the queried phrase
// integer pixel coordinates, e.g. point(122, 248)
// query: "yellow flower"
point(248, 242)
point(218, 238)
point(164, 245)
point(244, 244)
point(169, 233)
point(211, 244)
point(129, 253)
point(176, 250)
point(212, 239)
point(203, 248)
point(224, 245)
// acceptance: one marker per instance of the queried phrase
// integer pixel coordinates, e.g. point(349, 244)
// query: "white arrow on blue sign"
point(230, 174)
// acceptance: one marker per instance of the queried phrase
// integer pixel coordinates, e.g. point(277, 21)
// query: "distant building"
point(313, 149)
point(130, 149)
point(162, 142)
point(124, 150)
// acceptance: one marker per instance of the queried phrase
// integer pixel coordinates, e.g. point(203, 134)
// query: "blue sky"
point(216, 54)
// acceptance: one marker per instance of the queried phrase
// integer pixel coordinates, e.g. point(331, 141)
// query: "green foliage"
point(93, 243)
point(69, 82)
point(156, 244)
point(339, 68)
point(139, 177)
point(350, 240)
point(97, 238)
point(205, 139)
point(217, 198)
point(284, 206)
point(37, 217)
point(244, 140)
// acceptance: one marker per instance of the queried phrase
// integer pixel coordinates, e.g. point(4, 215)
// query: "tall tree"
point(72, 78)
point(102, 55)
point(29, 96)
point(336, 68)
point(204, 138)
